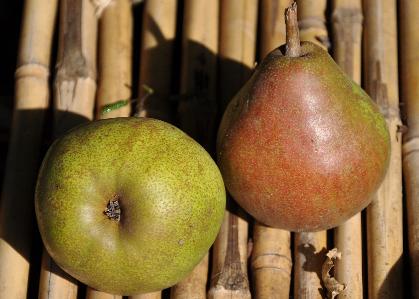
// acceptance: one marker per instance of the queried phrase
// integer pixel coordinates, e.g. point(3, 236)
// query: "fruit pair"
point(131, 205)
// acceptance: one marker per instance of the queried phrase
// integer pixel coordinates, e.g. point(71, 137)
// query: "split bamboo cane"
point(384, 215)
point(347, 31)
point(159, 29)
point(74, 94)
point(115, 72)
point(271, 260)
point(158, 34)
point(197, 108)
point(409, 45)
point(229, 278)
point(310, 248)
point(31, 101)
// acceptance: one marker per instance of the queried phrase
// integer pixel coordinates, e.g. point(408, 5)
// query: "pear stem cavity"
point(292, 32)
point(113, 210)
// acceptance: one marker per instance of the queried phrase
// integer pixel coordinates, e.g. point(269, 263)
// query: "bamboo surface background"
point(195, 55)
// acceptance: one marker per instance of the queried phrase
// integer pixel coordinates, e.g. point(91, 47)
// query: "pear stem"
point(292, 32)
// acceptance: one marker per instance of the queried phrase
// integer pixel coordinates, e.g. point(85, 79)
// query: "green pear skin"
point(171, 196)
point(302, 147)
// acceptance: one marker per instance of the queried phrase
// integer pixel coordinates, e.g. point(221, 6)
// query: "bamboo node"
point(32, 70)
point(272, 261)
point(410, 146)
point(348, 16)
point(333, 287)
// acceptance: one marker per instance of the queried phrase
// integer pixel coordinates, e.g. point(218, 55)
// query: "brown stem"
point(292, 33)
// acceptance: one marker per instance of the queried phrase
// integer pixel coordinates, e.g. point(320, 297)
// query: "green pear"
point(128, 205)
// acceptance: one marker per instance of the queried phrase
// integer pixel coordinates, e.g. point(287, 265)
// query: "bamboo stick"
point(197, 111)
point(409, 44)
point(384, 215)
point(237, 47)
point(310, 253)
point(194, 286)
point(310, 248)
point(229, 278)
point(74, 94)
point(347, 30)
point(311, 21)
point(94, 294)
point(115, 58)
point(272, 14)
point(271, 260)
point(31, 101)
point(159, 29)
point(115, 72)
point(154, 295)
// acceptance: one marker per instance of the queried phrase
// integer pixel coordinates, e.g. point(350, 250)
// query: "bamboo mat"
point(195, 55)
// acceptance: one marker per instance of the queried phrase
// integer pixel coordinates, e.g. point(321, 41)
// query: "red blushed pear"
point(301, 147)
